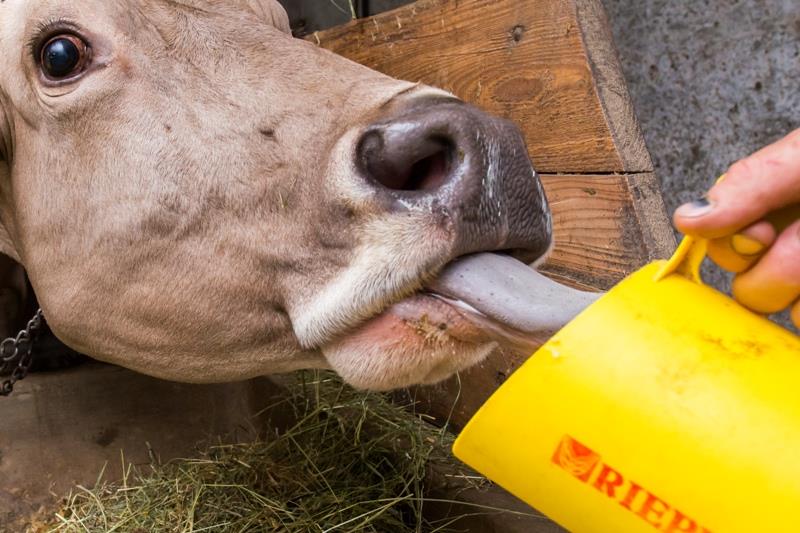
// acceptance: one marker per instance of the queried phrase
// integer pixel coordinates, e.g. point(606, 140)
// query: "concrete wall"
point(712, 81)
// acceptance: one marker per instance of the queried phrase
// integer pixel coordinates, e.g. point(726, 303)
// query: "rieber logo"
point(582, 462)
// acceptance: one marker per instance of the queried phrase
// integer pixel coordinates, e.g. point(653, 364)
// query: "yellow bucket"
point(664, 406)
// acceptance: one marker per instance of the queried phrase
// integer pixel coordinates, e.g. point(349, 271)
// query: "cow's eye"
point(63, 56)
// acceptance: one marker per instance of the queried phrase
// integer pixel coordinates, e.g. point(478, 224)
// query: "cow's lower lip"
point(476, 303)
point(479, 299)
point(429, 313)
point(420, 339)
point(427, 317)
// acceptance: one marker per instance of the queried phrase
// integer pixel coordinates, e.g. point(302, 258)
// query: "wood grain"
point(521, 59)
point(610, 85)
point(598, 232)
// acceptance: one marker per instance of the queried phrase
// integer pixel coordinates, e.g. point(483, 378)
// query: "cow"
point(199, 196)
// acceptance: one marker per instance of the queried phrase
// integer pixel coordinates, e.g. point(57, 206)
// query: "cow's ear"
point(6, 244)
point(271, 12)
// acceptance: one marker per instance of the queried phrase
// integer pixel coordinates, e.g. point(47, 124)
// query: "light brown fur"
point(189, 208)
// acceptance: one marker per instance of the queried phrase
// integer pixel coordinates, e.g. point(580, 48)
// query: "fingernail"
point(697, 208)
point(744, 245)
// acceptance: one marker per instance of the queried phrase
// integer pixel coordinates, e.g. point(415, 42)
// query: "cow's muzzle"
point(443, 155)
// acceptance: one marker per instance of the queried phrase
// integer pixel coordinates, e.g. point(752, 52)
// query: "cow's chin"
point(420, 340)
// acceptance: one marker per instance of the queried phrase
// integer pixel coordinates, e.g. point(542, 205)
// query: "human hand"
point(752, 221)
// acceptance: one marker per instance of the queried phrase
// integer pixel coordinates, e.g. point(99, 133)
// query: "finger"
point(773, 284)
point(741, 251)
point(722, 253)
point(763, 182)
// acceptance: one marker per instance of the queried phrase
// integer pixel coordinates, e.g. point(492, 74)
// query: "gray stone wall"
point(712, 81)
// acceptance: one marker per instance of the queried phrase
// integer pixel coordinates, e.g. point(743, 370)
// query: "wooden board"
point(521, 59)
point(550, 66)
point(601, 231)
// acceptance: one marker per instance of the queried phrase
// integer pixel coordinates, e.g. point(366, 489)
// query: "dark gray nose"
point(451, 158)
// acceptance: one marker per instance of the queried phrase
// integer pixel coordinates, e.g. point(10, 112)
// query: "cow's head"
point(199, 196)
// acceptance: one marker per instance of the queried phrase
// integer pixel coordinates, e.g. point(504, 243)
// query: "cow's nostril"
point(428, 173)
point(446, 163)
point(405, 162)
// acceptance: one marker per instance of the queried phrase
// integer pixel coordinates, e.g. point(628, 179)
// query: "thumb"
point(764, 182)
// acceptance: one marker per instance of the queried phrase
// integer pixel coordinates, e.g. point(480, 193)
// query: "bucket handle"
point(688, 258)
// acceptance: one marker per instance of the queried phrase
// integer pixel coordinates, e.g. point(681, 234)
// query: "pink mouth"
point(429, 320)
point(474, 305)
point(478, 299)
point(421, 319)
point(421, 339)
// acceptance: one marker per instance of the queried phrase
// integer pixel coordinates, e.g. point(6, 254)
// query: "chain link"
point(17, 353)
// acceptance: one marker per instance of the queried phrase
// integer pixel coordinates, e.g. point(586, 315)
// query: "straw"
point(352, 462)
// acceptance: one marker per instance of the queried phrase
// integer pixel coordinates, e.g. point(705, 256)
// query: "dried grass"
point(352, 462)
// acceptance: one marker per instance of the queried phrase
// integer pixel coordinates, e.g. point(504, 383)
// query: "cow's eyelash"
point(47, 29)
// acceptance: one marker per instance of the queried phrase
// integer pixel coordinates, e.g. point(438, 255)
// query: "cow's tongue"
point(513, 301)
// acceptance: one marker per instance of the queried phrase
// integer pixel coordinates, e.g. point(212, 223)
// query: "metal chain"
point(17, 352)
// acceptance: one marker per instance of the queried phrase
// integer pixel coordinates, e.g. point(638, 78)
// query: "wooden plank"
point(601, 234)
point(609, 82)
point(525, 60)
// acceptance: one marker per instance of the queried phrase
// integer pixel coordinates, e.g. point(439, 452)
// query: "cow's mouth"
point(474, 304)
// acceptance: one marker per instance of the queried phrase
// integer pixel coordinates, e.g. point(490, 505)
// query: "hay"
point(352, 462)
